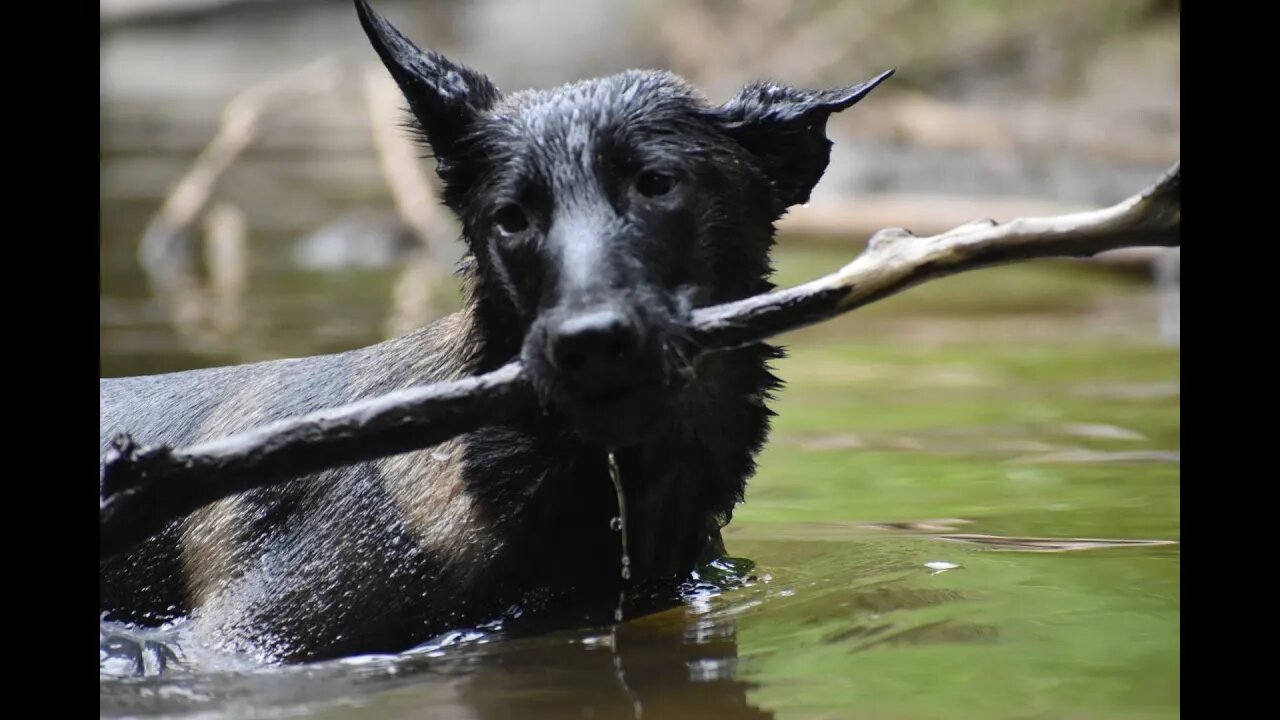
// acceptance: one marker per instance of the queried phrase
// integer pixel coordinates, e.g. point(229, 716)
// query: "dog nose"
point(600, 340)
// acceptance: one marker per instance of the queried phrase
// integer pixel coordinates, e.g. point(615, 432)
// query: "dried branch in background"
point(201, 316)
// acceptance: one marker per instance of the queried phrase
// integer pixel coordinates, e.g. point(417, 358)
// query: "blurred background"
point(969, 504)
point(258, 201)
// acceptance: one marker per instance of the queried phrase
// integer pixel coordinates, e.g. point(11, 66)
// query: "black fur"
point(597, 216)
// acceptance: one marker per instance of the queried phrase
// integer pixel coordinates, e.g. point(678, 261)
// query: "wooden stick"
point(145, 488)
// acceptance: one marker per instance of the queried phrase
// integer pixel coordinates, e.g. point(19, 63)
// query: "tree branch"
point(145, 488)
point(895, 260)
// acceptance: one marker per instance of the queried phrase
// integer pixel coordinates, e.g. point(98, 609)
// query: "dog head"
point(600, 213)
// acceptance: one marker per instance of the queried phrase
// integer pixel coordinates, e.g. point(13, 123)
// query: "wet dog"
point(596, 215)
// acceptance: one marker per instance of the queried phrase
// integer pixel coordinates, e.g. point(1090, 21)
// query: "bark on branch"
point(143, 489)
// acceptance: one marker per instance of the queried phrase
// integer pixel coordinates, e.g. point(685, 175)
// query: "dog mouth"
point(617, 414)
point(612, 395)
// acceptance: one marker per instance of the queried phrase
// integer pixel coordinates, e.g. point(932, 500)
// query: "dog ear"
point(444, 97)
point(786, 128)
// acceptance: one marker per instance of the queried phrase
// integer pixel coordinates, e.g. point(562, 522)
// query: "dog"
point(597, 216)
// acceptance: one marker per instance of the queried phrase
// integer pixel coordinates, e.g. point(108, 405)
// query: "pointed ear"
point(444, 97)
point(786, 128)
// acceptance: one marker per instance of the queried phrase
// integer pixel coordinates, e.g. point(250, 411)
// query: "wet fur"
point(512, 521)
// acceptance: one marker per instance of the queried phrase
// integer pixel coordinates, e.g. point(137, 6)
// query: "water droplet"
point(619, 524)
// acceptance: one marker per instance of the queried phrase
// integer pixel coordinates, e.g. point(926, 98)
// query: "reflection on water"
point(686, 662)
point(847, 618)
point(677, 664)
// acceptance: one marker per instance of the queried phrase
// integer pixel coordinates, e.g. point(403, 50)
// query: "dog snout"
point(601, 365)
point(598, 343)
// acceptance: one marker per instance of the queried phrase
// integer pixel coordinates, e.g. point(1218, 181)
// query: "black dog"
point(597, 216)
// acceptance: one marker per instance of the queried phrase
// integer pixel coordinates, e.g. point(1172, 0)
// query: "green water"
point(1054, 425)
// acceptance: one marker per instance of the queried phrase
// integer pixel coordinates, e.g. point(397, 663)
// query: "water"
point(944, 523)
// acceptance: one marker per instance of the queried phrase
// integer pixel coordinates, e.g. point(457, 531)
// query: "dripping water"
point(619, 525)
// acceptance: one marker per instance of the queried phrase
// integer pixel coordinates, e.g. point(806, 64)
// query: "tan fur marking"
point(208, 548)
point(427, 487)
point(208, 535)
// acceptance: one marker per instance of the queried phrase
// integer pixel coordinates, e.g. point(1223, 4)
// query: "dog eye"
point(510, 219)
point(654, 184)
